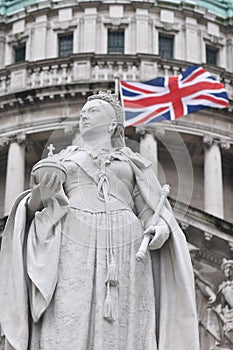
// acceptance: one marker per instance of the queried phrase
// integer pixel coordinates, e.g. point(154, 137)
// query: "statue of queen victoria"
point(69, 278)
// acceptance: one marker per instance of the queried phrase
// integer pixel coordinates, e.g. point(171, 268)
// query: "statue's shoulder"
point(66, 153)
point(135, 157)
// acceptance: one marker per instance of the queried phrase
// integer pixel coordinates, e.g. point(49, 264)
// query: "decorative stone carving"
point(184, 226)
point(231, 246)
point(215, 306)
point(225, 145)
point(208, 236)
point(141, 130)
point(224, 301)
point(159, 131)
point(208, 140)
point(69, 130)
point(20, 138)
point(51, 148)
point(4, 141)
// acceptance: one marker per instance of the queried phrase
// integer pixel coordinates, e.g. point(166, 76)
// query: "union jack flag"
point(171, 97)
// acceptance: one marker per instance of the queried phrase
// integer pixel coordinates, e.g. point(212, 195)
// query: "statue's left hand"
point(160, 235)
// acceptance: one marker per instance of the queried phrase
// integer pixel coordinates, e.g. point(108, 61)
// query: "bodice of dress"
point(87, 174)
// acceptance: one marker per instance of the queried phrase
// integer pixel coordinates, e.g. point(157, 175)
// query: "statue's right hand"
point(44, 190)
point(211, 295)
point(48, 186)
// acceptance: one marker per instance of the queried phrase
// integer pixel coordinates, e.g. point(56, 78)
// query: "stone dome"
point(220, 8)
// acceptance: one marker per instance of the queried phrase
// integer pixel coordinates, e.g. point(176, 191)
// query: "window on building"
point(20, 53)
point(65, 45)
point(166, 44)
point(116, 41)
point(212, 55)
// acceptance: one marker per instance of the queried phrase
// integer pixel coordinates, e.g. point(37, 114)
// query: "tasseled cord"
point(112, 277)
point(112, 274)
point(108, 305)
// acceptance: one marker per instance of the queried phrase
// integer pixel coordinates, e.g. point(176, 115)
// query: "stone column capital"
point(156, 131)
point(20, 138)
point(4, 141)
point(208, 140)
point(159, 131)
point(141, 130)
point(225, 144)
point(69, 130)
point(149, 148)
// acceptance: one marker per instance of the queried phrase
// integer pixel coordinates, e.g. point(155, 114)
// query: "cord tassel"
point(112, 274)
point(108, 306)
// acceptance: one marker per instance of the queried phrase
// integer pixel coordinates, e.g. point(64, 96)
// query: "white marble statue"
point(224, 299)
point(69, 278)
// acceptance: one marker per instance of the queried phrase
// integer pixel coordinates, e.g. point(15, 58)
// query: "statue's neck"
point(98, 143)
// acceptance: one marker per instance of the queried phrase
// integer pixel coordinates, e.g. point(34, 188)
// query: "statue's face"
point(228, 271)
point(96, 116)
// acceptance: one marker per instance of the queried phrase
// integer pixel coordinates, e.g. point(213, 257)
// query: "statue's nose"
point(84, 117)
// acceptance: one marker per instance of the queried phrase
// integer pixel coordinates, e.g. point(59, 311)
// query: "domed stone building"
point(54, 53)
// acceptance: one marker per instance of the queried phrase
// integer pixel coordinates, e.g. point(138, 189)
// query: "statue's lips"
point(86, 124)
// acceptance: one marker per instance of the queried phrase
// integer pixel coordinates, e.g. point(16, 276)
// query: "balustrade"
point(93, 67)
point(55, 74)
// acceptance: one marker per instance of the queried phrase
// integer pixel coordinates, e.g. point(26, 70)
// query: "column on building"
point(192, 39)
point(15, 171)
point(149, 148)
point(213, 181)
point(142, 30)
point(39, 38)
point(2, 51)
point(229, 54)
point(90, 18)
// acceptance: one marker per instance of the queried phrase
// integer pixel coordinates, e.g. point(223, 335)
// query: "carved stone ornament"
point(4, 141)
point(20, 138)
point(225, 145)
point(208, 140)
point(215, 304)
point(208, 236)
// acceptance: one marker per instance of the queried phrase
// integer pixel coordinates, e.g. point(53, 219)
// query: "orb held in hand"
point(49, 166)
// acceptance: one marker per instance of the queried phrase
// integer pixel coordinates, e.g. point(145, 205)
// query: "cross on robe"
point(50, 148)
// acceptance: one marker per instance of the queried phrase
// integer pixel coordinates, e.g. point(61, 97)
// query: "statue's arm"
point(159, 230)
point(143, 211)
point(207, 291)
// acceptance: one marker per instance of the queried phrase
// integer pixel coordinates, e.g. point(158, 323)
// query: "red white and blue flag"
point(168, 98)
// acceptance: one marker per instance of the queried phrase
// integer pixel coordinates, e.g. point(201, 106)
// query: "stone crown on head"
point(113, 100)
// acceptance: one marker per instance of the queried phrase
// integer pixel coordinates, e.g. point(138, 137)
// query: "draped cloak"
point(176, 320)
